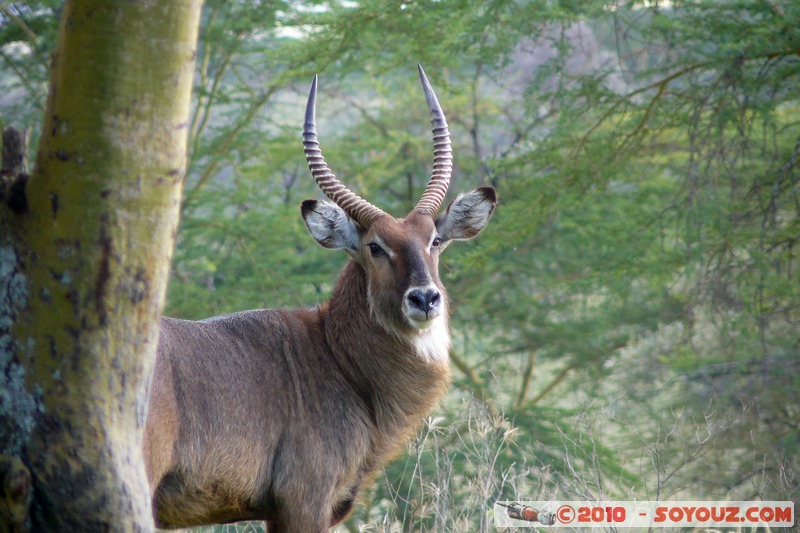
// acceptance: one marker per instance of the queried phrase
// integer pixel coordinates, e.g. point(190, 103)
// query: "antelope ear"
point(330, 225)
point(467, 215)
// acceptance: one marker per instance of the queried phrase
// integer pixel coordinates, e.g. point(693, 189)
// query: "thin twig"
point(474, 382)
point(562, 374)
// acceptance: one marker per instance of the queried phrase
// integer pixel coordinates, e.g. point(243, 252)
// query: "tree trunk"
point(85, 246)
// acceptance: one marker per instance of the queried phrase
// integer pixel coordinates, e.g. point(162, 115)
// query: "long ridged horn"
point(359, 209)
point(436, 190)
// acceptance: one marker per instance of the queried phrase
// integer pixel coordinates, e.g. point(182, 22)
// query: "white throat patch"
point(433, 344)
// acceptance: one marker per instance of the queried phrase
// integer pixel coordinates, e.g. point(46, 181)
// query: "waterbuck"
point(283, 415)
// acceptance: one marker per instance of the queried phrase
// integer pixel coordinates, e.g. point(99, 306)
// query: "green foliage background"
point(627, 327)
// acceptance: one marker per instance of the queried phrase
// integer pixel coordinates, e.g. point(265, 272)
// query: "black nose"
point(424, 299)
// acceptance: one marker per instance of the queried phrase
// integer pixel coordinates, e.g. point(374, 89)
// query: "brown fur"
point(283, 415)
point(340, 398)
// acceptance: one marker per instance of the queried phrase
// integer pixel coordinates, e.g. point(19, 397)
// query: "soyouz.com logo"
point(643, 514)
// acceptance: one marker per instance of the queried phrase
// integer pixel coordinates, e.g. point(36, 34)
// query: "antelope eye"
point(374, 249)
point(436, 242)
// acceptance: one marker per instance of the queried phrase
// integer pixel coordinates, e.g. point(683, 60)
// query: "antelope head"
point(400, 256)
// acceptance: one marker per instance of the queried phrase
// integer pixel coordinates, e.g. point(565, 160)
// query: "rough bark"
point(84, 259)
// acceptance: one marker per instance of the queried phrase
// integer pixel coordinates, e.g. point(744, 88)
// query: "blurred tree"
point(671, 199)
point(28, 31)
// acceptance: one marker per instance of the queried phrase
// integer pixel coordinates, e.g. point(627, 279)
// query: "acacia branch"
point(660, 85)
point(203, 74)
point(198, 127)
point(23, 26)
point(526, 379)
point(229, 139)
point(364, 112)
point(475, 384)
point(30, 87)
point(562, 374)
